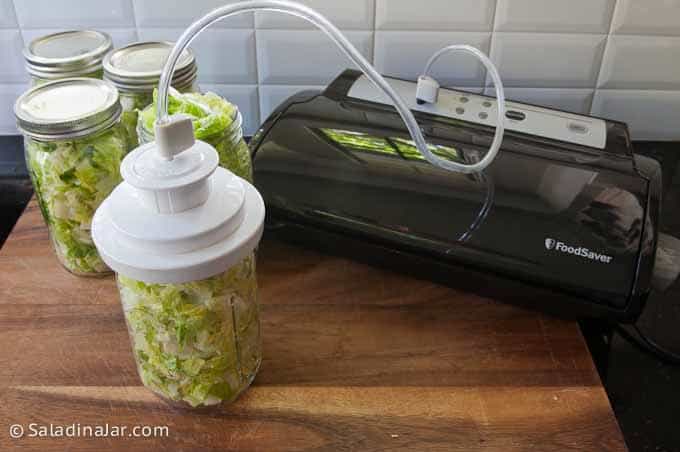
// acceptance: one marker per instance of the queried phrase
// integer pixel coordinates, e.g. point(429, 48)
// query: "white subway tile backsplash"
point(554, 16)
point(74, 13)
point(245, 98)
point(444, 15)
point(547, 60)
point(120, 37)
point(572, 100)
point(223, 56)
point(160, 14)
point(651, 115)
point(272, 95)
point(554, 53)
point(648, 62)
point(404, 54)
point(647, 17)
point(304, 57)
point(7, 16)
point(8, 95)
point(11, 58)
point(345, 14)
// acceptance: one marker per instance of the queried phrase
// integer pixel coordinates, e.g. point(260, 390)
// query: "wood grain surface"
point(355, 358)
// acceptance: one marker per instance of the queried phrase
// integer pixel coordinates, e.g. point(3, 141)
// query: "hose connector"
point(174, 136)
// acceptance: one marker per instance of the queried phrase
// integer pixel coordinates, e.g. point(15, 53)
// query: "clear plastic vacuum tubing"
point(308, 14)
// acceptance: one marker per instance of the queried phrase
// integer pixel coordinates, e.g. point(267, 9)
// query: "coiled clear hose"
point(308, 14)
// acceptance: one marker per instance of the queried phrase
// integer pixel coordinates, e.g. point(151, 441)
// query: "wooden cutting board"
point(355, 358)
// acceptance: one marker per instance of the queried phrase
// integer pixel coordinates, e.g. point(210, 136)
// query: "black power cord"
point(647, 345)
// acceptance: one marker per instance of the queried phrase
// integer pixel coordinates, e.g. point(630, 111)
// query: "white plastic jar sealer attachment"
point(177, 217)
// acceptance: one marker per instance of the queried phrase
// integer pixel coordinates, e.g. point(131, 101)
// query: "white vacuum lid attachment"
point(177, 216)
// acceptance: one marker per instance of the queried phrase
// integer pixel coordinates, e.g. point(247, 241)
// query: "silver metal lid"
point(67, 54)
point(68, 108)
point(138, 66)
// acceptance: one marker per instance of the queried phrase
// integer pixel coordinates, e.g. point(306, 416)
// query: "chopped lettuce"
point(196, 342)
point(132, 104)
point(212, 120)
point(71, 178)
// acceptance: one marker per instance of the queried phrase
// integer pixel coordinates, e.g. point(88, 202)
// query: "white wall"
point(612, 58)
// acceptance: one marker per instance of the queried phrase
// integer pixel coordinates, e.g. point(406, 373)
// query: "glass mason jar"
point(74, 145)
point(196, 342)
point(67, 54)
point(136, 69)
point(180, 232)
point(216, 121)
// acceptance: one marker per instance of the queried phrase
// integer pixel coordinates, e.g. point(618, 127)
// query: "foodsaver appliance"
point(564, 219)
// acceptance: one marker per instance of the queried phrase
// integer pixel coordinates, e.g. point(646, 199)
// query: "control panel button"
point(516, 115)
point(577, 128)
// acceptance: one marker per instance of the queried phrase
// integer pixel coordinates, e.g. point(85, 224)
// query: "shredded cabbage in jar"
point(71, 178)
point(212, 118)
point(132, 104)
point(196, 342)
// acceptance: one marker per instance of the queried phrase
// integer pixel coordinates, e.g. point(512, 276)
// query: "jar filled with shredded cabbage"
point(74, 145)
point(198, 342)
point(135, 71)
point(215, 120)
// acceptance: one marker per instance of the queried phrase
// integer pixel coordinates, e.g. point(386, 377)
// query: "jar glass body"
point(196, 343)
point(71, 177)
point(37, 80)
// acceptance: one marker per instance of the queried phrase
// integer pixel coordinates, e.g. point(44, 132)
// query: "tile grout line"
point(134, 17)
point(603, 55)
point(258, 93)
point(374, 30)
point(492, 36)
point(16, 19)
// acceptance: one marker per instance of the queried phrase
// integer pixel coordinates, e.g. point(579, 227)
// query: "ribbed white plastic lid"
point(177, 220)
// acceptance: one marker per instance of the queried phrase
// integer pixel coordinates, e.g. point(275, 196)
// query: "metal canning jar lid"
point(68, 108)
point(67, 54)
point(137, 67)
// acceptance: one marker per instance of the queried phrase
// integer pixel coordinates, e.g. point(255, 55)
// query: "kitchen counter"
point(355, 358)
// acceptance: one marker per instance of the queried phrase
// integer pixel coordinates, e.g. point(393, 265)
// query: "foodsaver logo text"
point(579, 251)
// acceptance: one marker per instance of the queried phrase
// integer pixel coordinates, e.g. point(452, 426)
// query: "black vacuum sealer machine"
point(564, 219)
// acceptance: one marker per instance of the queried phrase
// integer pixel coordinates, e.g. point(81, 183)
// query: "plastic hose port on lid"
point(177, 216)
